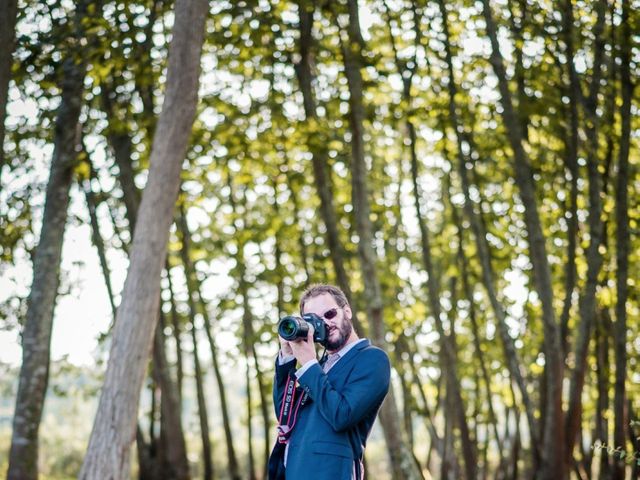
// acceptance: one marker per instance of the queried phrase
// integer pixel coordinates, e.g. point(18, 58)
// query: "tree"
point(36, 336)
point(114, 425)
point(7, 40)
point(553, 439)
point(402, 461)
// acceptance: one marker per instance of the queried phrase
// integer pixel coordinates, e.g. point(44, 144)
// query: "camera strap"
point(289, 410)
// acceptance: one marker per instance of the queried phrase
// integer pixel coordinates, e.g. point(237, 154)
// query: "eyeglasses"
point(329, 314)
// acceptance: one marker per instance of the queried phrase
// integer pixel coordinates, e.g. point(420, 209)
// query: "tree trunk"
point(475, 331)
point(175, 324)
point(447, 346)
point(482, 246)
point(173, 450)
point(114, 427)
point(587, 303)
point(191, 274)
point(96, 237)
point(552, 466)
point(120, 142)
point(202, 405)
point(601, 432)
point(36, 336)
point(250, 455)
point(571, 160)
point(7, 42)
point(403, 463)
point(319, 157)
point(622, 245)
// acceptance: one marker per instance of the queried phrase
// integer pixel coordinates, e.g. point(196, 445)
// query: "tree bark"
point(622, 245)
point(601, 430)
point(7, 42)
point(552, 466)
point(587, 303)
point(114, 426)
point(36, 336)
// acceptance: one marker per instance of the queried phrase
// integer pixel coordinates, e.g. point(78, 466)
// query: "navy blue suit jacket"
point(332, 427)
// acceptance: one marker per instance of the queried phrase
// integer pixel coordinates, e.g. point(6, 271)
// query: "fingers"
point(310, 334)
point(285, 346)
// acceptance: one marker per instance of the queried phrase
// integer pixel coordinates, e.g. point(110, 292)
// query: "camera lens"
point(288, 327)
point(291, 327)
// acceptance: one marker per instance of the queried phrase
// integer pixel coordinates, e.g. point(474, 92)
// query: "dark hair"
point(320, 289)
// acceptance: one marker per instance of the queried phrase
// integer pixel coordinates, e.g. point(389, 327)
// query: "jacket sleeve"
point(280, 381)
point(362, 394)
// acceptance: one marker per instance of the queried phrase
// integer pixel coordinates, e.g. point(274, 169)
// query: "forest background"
point(467, 172)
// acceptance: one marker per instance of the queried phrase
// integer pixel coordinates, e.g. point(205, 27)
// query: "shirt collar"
point(343, 351)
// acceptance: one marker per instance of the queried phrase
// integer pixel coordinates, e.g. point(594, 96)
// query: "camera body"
point(292, 327)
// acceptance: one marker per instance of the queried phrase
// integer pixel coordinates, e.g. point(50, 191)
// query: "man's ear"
point(347, 312)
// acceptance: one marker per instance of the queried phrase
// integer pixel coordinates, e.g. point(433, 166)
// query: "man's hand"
point(304, 349)
point(285, 347)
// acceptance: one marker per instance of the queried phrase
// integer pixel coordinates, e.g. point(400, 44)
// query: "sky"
point(80, 315)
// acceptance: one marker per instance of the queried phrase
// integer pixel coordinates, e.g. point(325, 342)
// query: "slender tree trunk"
point(9, 9)
point(175, 323)
point(552, 453)
point(480, 235)
point(190, 271)
point(571, 160)
point(250, 456)
point(278, 269)
point(516, 23)
point(319, 157)
point(248, 333)
point(482, 246)
point(202, 405)
point(475, 330)
point(622, 245)
point(120, 142)
point(146, 465)
point(114, 426)
point(587, 304)
point(232, 460)
point(36, 336)
point(447, 346)
point(403, 463)
point(96, 237)
point(192, 300)
point(601, 432)
point(264, 410)
point(173, 450)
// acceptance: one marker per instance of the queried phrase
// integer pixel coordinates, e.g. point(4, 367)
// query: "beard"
point(344, 332)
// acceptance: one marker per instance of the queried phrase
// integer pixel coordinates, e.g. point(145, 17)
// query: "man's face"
point(338, 319)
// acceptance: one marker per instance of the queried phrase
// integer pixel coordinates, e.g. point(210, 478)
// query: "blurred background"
point(466, 171)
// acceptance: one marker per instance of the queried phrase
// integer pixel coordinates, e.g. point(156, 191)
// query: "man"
point(325, 422)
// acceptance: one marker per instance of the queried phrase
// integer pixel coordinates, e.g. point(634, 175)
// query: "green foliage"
point(251, 198)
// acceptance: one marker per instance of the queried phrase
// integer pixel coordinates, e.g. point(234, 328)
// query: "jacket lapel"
point(349, 357)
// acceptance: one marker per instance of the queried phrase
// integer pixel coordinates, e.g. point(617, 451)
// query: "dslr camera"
point(292, 327)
